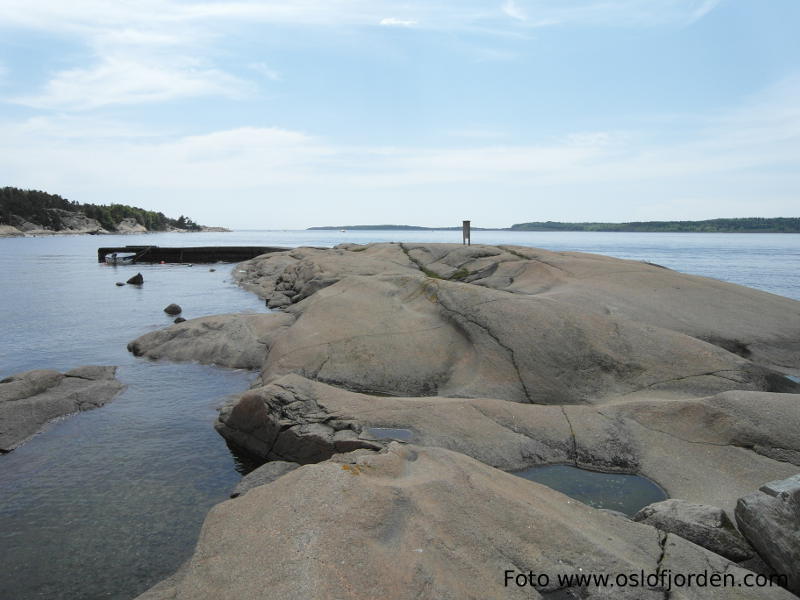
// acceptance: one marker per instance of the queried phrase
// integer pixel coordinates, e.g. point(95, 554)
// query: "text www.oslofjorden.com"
point(664, 579)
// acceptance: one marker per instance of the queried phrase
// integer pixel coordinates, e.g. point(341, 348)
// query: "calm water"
point(105, 503)
point(615, 491)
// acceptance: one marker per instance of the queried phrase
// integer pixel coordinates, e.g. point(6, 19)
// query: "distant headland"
point(737, 225)
point(33, 213)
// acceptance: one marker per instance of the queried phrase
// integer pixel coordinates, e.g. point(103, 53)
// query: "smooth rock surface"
point(754, 324)
point(770, 520)
point(10, 231)
point(491, 359)
point(424, 523)
point(266, 473)
point(130, 225)
point(29, 400)
point(699, 450)
point(706, 526)
point(237, 341)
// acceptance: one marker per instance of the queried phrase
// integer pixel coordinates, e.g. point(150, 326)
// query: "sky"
point(293, 113)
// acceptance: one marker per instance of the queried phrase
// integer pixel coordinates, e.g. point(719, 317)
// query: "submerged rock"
point(31, 399)
point(770, 520)
point(706, 526)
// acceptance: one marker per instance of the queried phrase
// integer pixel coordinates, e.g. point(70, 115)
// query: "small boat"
point(343, 230)
point(120, 259)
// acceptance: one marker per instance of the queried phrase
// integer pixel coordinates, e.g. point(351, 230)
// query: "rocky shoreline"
point(74, 223)
point(495, 359)
point(30, 400)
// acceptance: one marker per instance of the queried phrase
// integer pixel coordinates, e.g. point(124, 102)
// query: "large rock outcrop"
point(31, 399)
point(701, 450)
point(757, 325)
point(484, 360)
point(130, 225)
point(10, 231)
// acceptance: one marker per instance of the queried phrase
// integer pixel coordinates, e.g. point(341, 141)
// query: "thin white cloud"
point(163, 16)
point(125, 80)
point(265, 70)
point(155, 50)
point(398, 22)
point(744, 144)
point(703, 9)
point(742, 162)
point(514, 11)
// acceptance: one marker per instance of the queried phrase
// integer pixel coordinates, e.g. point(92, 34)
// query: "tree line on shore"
point(36, 207)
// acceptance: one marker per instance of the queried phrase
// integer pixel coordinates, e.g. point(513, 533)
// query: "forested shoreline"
point(18, 206)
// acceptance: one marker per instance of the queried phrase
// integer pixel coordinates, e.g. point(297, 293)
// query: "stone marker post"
point(465, 233)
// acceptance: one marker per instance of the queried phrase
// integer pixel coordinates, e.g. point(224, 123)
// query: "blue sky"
point(288, 114)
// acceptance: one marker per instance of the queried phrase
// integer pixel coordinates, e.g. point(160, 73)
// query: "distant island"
point(32, 212)
point(398, 228)
point(742, 225)
point(739, 225)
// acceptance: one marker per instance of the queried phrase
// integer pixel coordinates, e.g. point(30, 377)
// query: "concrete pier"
point(191, 254)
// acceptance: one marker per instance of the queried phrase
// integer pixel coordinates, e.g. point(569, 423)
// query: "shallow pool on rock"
point(614, 491)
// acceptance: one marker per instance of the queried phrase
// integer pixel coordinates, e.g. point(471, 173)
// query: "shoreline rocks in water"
point(495, 359)
point(29, 400)
point(173, 309)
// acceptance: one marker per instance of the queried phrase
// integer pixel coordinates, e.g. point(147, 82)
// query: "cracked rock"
point(770, 520)
point(706, 526)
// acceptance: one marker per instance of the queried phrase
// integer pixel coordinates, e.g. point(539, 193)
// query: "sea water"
point(105, 503)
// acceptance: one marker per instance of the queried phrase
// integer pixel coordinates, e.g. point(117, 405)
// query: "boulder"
point(414, 522)
point(136, 279)
point(173, 309)
point(278, 300)
point(119, 284)
point(236, 341)
point(29, 400)
point(770, 520)
point(179, 320)
point(706, 526)
point(266, 473)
